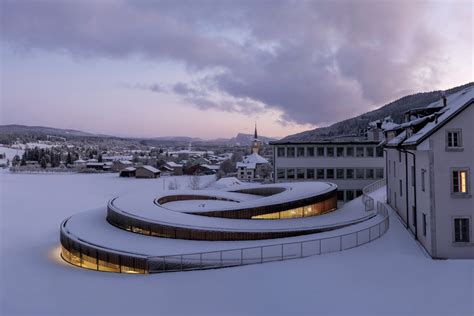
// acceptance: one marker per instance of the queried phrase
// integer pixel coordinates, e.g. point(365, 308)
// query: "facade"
point(147, 172)
point(429, 174)
point(350, 164)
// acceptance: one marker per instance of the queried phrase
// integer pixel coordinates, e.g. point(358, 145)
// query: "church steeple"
point(255, 143)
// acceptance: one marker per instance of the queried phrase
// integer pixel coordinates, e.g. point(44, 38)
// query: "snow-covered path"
point(390, 275)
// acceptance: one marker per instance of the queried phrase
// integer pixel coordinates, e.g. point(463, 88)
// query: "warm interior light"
point(463, 181)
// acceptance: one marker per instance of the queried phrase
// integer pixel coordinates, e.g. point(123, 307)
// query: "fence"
point(268, 253)
point(368, 200)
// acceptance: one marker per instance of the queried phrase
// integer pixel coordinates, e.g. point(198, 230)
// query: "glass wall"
point(319, 208)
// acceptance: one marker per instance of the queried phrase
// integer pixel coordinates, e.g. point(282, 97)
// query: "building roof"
point(456, 102)
point(150, 168)
point(173, 164)
point(251, 161)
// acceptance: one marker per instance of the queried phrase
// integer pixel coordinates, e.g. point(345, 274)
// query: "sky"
point(211, 69)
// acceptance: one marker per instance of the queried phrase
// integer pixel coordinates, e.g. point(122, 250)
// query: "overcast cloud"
point(315, 61)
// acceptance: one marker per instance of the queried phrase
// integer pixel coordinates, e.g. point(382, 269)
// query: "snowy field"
point(389, 276)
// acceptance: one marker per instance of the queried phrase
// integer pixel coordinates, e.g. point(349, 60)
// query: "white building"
point(429, 163)
point(350, 163)
point(253, 167)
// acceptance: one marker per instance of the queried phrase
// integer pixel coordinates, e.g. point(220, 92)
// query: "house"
point(173, 167)
point(127, 172)
point(350, 162)
point(80, 163)
point(118, 165)
point(95, 165)
point(199, 170)
point(429, 181)
point(253, 167)
point(147, 171)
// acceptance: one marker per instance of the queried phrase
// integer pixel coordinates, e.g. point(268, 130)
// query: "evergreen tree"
point(43, 163)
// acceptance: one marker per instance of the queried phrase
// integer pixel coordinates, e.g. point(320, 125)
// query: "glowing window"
point(459, 181)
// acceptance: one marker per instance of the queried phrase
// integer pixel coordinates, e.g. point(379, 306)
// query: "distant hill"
point(23, 129)
point(243, 140)
point(394, 109)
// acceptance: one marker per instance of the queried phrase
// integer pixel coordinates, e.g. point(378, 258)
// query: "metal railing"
point(274, 252)
point(366, 198)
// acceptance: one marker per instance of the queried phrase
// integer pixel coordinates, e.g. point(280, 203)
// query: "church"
point(254, 166)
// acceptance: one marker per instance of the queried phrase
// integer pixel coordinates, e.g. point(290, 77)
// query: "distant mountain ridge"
point(15, 129)
point(394, 109)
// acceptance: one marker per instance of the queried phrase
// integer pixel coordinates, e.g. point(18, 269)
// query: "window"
point(424, 224)
point(340, 151)
point(290, 173)
point(340, 195)
point(379, 173)
point(320, 151)
point(359, 151)
point(401, 188)
point(349, 195)
point(290, 151)
point(281, 173)
point(330, 152)
point(412, 176)
point(349, 173)
point(300, 151)
point(320, 173)
point(423, 173)
point(339, 173)
point(394, 169)
point(388, 163)
point(281, 152)
point(350, 151)
point(370, 151)
point(300, 173)
point(379, 151)
point(329, 173)
point(460, 181)
point(310, 173)
point(360, 173)
point(461, 230)
point(310, 151)
point(453, 139)
point(399, 156)
point(369, 173)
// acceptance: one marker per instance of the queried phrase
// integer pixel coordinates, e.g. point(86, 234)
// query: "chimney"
point(445, 100)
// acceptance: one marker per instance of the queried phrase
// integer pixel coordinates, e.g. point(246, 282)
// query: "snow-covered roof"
point(129, 169)
point(251, 161)
point(455, 102)
point(397, 140)
point(125, 162)
point(150, 168)
point(173, 164)
point(211, 167)
point(79, 161)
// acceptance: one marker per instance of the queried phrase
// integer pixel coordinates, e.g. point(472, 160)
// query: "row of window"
point(330, 173)
point(327, 151)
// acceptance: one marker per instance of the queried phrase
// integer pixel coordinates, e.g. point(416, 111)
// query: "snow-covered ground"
point(390, 275)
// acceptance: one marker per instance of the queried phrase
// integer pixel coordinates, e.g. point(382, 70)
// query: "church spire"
point(255, 136)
